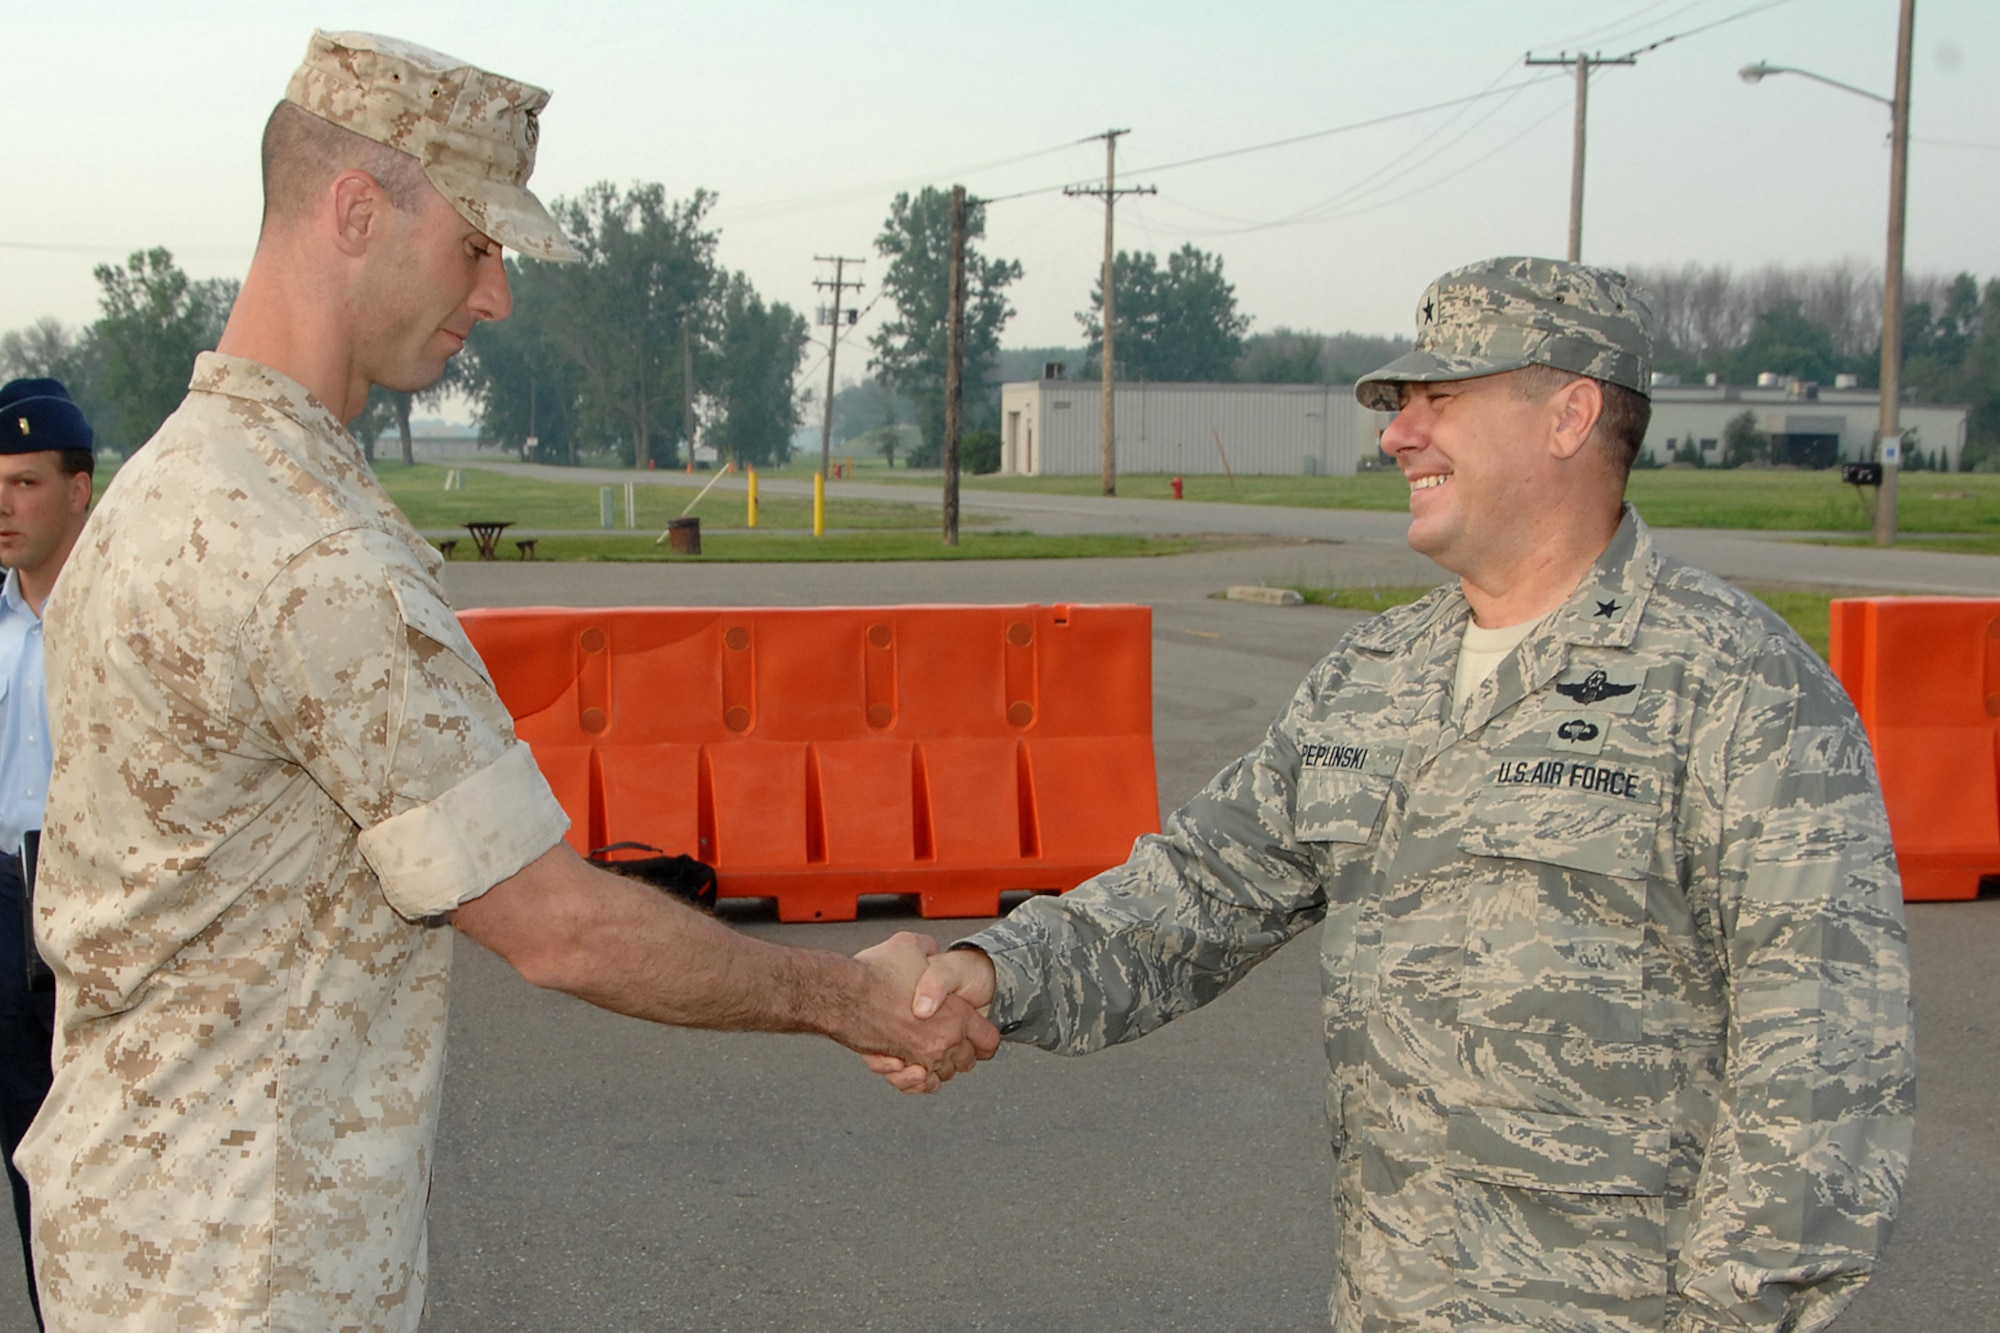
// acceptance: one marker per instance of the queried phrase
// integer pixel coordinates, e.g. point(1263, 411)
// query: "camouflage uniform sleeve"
point(372, 688)
point(1193, 909)
point(1812, 1138)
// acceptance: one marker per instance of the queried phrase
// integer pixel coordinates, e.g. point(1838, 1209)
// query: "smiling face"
point(1477, 457)
point(434, 278)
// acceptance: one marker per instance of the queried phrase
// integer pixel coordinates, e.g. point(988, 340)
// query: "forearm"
point(626, 947)
point(1169, 931)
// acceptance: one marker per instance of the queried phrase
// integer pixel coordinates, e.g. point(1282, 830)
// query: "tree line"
point(649, 344)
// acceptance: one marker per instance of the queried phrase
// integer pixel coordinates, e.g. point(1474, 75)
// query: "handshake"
point(931, 1007)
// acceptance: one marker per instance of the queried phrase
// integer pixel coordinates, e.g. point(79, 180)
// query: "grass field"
point(883, 544)
point(1931, 502)
point(531, 503)
point(1805, 611)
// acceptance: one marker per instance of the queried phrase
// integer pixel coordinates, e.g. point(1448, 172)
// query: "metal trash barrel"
point(684, 535)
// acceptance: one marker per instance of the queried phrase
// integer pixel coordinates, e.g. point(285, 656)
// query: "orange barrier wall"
point(814, 755)
point(1925, 675)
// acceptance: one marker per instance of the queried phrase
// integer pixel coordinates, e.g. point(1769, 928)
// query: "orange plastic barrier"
point(815, 755)
point(1925, 675)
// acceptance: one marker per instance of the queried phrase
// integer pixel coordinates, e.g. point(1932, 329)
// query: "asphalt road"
point(597, 1173)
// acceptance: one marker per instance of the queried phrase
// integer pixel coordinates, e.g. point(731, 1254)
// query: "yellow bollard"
point(753, 498)
point(819, 504)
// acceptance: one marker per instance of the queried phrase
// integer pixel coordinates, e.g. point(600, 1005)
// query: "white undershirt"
point(1480, 653)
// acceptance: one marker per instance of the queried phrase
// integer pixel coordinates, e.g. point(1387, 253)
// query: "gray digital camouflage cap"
point(474, 132)
point(1503, 314)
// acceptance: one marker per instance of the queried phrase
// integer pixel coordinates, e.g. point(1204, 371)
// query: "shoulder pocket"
point(424, 610)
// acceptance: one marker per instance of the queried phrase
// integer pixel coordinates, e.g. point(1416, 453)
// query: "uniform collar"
point(1604, 610)
point(236, 377)
point(10, 595)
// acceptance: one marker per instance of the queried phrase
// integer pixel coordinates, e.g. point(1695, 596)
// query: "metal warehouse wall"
point(1054, 428)
point(1678, 416)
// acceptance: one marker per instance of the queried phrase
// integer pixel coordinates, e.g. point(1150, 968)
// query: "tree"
point(1783, 340)
point(910, 349)
point(753, 367)
point(647, 284)
point(523, 387)
point(1176, 324)
point(1743, 443)
point(155, 321)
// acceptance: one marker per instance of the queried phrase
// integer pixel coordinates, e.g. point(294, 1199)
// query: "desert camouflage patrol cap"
point(474, 132)
point(1503, 314)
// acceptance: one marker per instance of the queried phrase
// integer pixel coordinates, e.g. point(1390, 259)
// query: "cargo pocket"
point(1556, 917)
point(1559, 1215)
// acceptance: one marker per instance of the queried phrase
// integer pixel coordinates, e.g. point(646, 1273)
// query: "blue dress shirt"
point(25, 752)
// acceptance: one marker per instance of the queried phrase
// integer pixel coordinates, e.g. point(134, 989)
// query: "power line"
point(1707, 27)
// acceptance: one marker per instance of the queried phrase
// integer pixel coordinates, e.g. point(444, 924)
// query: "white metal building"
point(1843, 418)
point(1054, 427)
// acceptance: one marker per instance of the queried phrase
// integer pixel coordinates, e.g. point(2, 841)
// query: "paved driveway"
point(596, 1173)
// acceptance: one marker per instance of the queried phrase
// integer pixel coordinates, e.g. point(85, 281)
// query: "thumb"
point(933, 988)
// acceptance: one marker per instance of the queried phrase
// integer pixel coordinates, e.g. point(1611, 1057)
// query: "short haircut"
point(73, 461)
point(302, 155)
point(1622, 426)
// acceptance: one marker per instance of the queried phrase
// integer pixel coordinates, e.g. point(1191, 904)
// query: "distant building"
point(1052, 427)
point(1810, 425)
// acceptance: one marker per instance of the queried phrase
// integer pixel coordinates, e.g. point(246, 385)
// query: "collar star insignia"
point(1608, 609)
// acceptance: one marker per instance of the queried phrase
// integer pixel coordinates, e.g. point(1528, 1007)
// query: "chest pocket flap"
point(1556, 921)
point(1342, 789)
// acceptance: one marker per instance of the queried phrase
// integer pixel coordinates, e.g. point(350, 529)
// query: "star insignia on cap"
point(1608, 609)
point(1430, 310)
point(23, 423)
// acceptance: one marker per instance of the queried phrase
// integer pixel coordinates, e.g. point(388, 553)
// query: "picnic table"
point(486, 535)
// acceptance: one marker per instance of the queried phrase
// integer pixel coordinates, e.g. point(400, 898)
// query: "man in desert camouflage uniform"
point(283, 774)
point(1616, 987)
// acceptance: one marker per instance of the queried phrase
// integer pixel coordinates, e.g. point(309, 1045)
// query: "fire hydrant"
point(1177, 488)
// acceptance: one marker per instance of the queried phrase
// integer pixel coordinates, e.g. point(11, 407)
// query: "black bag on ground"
point(682, 876)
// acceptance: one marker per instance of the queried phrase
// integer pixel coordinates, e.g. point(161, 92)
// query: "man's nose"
point(493, 297)
point(1402, 432)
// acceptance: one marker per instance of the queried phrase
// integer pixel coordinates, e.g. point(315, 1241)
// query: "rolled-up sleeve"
point(369, 684)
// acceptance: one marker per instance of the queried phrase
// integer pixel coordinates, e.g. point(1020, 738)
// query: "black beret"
point(37, 414)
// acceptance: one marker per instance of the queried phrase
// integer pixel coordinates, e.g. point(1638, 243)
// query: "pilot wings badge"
point(1594, 688)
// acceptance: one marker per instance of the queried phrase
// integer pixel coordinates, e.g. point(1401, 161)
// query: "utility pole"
point(1109, 194)
point(1890, 426)
point(839, 285)
point(1583, 65)
point(954, 366)
point(687, 387)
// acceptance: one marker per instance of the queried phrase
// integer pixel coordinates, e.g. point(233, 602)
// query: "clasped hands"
point(952, 988)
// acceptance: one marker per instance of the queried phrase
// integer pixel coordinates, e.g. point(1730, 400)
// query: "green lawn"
point(1935, 502)
point(883, 544)
point(533, 503)
point(1804, 610)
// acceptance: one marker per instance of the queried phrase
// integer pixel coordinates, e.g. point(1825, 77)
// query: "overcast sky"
point(129, 125)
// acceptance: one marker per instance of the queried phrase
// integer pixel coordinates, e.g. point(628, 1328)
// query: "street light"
point(1889, 435)
point(1763, 68)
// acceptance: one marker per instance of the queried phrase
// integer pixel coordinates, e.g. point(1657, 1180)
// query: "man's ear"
point(1577, 407)
point(81, 487)
point(359, 205)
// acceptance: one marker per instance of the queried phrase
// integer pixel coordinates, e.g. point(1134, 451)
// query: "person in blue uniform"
point(47, 466)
